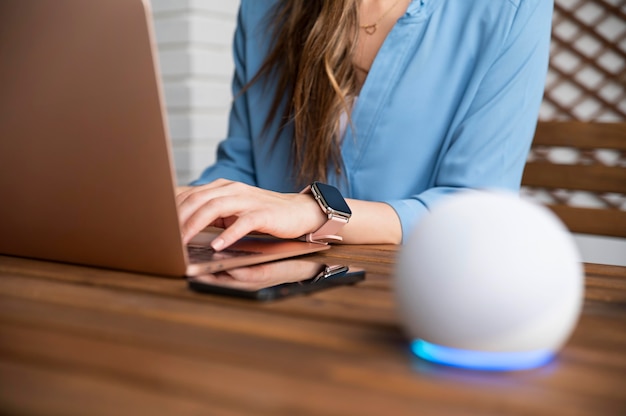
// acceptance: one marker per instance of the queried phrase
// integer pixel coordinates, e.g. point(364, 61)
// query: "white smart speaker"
point(489, 281)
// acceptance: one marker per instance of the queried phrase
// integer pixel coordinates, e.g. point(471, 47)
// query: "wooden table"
point(84, 341)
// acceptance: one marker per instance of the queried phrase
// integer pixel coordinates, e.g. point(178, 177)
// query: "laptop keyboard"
point(203, 254)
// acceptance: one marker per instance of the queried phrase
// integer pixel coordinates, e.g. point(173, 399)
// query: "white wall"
point(194, 39)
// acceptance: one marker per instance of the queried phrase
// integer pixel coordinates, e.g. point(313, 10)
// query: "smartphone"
point(275, 280)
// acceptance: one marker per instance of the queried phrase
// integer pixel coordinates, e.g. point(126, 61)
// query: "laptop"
point(86, 171)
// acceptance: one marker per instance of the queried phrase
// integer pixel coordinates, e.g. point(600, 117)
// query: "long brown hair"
point(311, 58)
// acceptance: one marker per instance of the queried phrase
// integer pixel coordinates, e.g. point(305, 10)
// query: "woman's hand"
point(241, 209)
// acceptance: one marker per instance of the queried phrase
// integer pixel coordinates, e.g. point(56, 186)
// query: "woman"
point(394, 102)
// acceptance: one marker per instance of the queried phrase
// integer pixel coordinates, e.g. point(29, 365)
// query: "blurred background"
point(586, 82)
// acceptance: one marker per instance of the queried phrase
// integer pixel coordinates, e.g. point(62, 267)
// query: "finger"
point(180, 189)
point(215, 210)
point(237, 230)
point(183, 192)
point(242, 226)
point(193, 201)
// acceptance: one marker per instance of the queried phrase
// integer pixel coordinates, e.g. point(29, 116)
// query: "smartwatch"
point(336, 209)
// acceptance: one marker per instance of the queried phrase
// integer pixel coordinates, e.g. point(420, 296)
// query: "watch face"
point(331, 197)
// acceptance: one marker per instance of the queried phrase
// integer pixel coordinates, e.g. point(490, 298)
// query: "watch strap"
point(327, 233)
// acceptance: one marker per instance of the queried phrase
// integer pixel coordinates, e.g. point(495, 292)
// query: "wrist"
point(312, 216)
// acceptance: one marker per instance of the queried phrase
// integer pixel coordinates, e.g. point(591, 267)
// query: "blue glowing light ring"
point(481, 360)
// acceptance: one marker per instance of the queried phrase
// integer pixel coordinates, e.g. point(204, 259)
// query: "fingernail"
point(217, 244)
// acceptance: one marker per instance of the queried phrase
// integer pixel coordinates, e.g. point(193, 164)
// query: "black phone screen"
point(277, 279)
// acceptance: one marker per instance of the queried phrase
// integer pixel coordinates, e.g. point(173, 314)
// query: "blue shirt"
point(451, 101)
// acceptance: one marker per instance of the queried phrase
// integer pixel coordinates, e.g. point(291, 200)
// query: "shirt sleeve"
point(234, 154)
point(488, 148)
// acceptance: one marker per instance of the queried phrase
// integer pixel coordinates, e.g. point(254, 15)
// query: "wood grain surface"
point(77, 340)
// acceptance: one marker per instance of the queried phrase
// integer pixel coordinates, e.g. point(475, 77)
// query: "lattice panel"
point(571, 156)
point(586, 82)
point(587, 75)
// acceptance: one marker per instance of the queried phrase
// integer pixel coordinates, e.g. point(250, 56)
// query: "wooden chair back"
point(589, 174)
